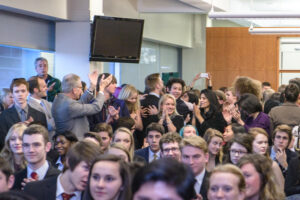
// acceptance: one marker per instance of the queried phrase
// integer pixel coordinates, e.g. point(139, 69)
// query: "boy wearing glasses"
point(282, 137)
point(169, 146)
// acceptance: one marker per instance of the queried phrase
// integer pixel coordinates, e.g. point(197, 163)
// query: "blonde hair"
point(6, 152)
point(195, 141)
point(126, 130)
point(126, 92)
point(162, 100)
point(120, 147)
point(231, 169)
point(209, 134)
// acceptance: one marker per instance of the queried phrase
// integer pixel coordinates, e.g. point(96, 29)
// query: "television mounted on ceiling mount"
point(116, 39)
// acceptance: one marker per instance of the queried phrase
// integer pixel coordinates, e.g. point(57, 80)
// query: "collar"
point(200, 176)
point(19, 109)
point(273, 153)
point(36, 100)
point(59, 164)
point(154, 94)
point(42, 171)
point(60, 190)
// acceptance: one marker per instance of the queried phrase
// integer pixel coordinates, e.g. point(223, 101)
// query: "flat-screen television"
point(116, 39)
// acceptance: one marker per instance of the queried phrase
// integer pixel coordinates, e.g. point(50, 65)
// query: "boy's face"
point(6, 183)
point(176, 90)
point(20, 94)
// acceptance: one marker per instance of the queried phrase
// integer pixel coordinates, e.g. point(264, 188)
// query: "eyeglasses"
point(239, 152)
point(173, 149)
point(278, 137)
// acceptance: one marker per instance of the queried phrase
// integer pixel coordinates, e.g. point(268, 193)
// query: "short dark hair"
point(155, 127)
point(167, 170)
point(266, 83)
point(70, 136)
point(33, 83)
point(175, 80)
point(169, 137)
point(291, 92)
point(126, 122)
point(249, 103)
point(93, 135)
point(37, 129)
point(295, 81)
point(5, 168)
point(17, 82)
point(105, 128)
point(82, 151)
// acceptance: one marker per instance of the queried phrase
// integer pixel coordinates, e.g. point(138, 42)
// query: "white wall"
point(72, 49)
point(50, 8)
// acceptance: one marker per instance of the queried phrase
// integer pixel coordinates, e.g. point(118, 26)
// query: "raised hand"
point(93, 77)
point(105, 82)
point(153, 110)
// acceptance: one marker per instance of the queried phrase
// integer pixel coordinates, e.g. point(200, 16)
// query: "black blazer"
point(143, 153)
point(150, 100)
point(10, 116)
point(23, 174)
point(44, 189)
point(204, 186)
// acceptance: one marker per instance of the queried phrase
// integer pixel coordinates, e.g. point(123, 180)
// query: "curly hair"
point(244, 84)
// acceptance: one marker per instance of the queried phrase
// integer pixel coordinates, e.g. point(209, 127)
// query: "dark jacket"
point(23, 174)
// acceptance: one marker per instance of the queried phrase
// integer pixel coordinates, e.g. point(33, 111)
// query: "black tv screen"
point(116, 39)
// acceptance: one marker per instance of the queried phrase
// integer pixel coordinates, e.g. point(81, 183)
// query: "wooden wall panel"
point(232, 52)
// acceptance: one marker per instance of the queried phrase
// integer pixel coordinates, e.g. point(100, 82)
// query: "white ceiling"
point(204, 6)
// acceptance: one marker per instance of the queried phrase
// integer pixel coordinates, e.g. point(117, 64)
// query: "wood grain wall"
point(232, 52)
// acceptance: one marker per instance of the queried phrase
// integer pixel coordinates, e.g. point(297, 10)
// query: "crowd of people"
point(61, 140)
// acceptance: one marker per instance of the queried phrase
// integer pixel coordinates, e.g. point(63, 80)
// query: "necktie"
point(34, 176)
point(66, 196)
point(155, 157)
point(23, 115)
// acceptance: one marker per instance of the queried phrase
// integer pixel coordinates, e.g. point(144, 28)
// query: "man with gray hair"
point(71, 108)
point(53, 84)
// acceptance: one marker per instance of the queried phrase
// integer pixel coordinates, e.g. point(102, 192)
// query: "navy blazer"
point(204, 186)
point(10, 116)
point(143, 153)
point(19, 176)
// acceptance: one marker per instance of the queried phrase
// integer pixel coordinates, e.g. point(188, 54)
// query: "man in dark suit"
point(194, 152)
point(153, 134)
point(73, 180)
point(153, 88)
point(35, 147)
point(21, 111)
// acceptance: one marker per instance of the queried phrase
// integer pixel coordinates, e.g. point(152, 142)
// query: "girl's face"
point(228, 133)
point(230, 98)
point(105, 180)
point(62, 145)
point(252, 179)
point(123, 138)
point(15, 142)
point(169, 106)
point(260, 144)
point(237, 151)
point(204, 103)
point(215, 145)
point(133, 98)
point(224, 186)
point(188, 131)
